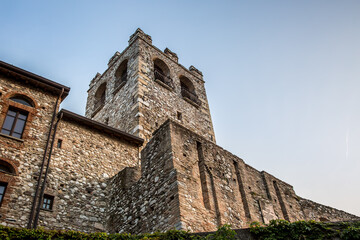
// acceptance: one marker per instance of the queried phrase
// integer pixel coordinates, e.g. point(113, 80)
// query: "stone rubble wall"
point(25, 154)
point(152, 203)
point(319, 212)
point(79, 175)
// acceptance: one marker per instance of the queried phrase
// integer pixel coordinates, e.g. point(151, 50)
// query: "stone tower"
point(144, 86)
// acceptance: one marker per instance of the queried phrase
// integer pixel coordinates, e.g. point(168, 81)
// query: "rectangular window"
point(59, 143)
point(14, 123)
point(3, 186)
point(48, 202)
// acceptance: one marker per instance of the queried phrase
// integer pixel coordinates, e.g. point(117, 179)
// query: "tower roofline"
point(147, 38)
point(140, 34)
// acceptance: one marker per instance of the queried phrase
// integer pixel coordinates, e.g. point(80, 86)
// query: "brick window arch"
point(6, 167)
point(8, 178)
point(23, 100)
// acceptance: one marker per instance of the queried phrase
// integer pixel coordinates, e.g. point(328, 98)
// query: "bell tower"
point(144, 86)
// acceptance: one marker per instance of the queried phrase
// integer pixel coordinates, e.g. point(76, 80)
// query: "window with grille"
point(3, 186)
point(14, 123)
point(48, 202)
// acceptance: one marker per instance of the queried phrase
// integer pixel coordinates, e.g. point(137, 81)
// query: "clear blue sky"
point(282, 77)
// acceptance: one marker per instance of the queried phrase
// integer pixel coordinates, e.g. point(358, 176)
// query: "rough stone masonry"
point(144, 157)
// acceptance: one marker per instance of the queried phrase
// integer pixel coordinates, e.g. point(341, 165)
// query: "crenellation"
point(171, 54)
point(195, 70)
point(140, 34)
point(114, 58)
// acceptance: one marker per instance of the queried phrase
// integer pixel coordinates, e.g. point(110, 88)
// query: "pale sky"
point(282, 77)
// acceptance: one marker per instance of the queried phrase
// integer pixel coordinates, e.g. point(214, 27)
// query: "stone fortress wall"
point(145, 199)
point(222, 189)
point(207, 184)
point(143, 159)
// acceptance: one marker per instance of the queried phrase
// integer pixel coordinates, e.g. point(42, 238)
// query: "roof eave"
point(33, 79)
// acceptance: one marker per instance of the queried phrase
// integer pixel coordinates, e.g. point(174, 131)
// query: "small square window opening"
point(48, 202)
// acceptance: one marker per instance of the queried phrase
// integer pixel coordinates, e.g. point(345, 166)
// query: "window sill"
point(164, 85)
point(47, 210)
point(191, 102)
point(97, 109)
point(11, 137)
point(118, 87)
point(8, 173)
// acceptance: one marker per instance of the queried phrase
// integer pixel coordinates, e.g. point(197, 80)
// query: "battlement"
point(143, 86)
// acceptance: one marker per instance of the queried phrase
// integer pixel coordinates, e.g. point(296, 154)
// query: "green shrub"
point(10, 233)
point(275, 230)
point(281, 229)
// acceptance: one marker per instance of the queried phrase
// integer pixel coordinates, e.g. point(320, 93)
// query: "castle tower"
point(144, 86)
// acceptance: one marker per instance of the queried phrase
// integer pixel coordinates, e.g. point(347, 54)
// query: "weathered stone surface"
point(25, 154)
point(152, 203)
point(143, 104)
point(101, 182)
point(81, 169)
point(208, 187)
point(222, 189)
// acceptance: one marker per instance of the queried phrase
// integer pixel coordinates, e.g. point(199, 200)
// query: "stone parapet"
point(140, 34)
point(171, 54)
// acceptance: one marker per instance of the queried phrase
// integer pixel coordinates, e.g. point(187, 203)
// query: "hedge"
point(223, 233)
point(281, 229)
point(275, 230)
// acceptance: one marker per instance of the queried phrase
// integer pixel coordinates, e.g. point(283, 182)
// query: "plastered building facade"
point(142, 159)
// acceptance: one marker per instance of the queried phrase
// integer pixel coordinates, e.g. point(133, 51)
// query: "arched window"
point(121, 74)
point(188, 90)
point(100, 96)
point(6, 167)
point(23, 100)
point(162, 73)
point(15, 119)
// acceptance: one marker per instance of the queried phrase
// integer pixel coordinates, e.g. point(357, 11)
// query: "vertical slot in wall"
point(281, 201)
point(204, 186)
point(242, 191)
